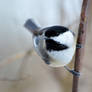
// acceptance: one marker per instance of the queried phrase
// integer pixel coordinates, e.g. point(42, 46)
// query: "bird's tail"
point(32, 27)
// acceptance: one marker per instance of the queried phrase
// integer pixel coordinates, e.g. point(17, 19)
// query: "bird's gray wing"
point(41, 50)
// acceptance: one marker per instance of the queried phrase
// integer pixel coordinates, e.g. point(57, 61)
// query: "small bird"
point(55, 45)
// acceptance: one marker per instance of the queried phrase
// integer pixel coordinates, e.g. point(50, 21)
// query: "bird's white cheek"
point(61, 58)
point(66, 38)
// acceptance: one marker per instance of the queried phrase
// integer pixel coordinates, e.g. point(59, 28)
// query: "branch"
point(81, 40)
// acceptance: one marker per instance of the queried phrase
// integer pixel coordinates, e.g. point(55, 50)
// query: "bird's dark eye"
point(52, 45)
point(55, 31)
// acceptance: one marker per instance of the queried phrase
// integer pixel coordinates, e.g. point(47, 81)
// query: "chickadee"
point(56, 44)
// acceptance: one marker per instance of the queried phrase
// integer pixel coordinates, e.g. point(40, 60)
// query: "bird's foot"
point(72, 71)
point(79, 46)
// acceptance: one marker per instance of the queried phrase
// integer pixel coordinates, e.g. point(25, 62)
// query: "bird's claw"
point(72, 71)
point(79, 46)
point(75, 73)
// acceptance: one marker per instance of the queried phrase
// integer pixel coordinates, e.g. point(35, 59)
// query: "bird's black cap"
point(55, 31)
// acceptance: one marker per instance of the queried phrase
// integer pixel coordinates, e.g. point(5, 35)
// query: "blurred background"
point(21, 69)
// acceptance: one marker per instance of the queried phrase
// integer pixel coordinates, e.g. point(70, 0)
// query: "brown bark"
point(81, 40)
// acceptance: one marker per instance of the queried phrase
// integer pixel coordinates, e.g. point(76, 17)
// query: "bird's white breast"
point(61, 58)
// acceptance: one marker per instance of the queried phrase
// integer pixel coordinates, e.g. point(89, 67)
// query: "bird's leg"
point(78, 46)
point(72, 71)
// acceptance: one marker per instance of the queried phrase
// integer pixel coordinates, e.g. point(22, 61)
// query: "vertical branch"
point(80, 40)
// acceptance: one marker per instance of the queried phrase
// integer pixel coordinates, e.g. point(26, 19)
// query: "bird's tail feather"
point(31, 26)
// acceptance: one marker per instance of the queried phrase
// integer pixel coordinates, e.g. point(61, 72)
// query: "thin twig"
point(81, 40)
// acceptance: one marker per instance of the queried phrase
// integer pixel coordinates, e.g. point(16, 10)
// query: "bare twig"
point(80, 40)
